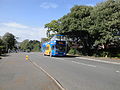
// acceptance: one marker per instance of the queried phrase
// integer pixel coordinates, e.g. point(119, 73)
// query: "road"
point(78, 74)
point(16, 73)
point(75, 73)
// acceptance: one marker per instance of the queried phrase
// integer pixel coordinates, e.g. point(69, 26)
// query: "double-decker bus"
point(55, 47)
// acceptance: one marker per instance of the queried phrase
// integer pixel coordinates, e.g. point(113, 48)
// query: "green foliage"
point(2, 49)
point(118, 55)
point(106, 22)
point(9, 40)
point(32, 45)
point(44, 40)
point(73, 21)
point(91, 27)
point(75, 27)
point(73, 51)
point(1, 46)
point(53, 27)
point(24, 45)
point(104, 54)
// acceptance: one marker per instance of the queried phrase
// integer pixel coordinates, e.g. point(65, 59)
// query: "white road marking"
point(118, 71)
point(84, 64)
point(59, 85)
point(76, 62)
point(58, 58)
point(99, 60)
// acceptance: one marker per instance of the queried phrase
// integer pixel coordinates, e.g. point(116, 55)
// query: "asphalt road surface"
point(16, 73)
point(77, 74)
point(71, 72)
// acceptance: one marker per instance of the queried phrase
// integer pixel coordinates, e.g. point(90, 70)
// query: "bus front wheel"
point(44, 54)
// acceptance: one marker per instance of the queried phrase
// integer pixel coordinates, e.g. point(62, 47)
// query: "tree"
point(106, 17)
point(2, 47)
point(53, 27)
point(73, 21)
point(9, 40)
point(24, 45)
point(74, 26)
point(92, 27)
point(32, 45)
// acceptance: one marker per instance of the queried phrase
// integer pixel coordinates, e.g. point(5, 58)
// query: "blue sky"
point(26, 18)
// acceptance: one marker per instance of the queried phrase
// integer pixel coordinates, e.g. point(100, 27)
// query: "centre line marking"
point(58, 58)
point(118, 71)
point(84, 64)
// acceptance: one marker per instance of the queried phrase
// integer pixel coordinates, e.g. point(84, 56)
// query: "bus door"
point(53, 49)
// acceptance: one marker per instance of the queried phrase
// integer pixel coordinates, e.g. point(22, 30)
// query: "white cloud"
point(23, 31)
point(15, 25)
point(47, 5)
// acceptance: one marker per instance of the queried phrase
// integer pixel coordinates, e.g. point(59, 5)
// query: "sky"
point(26, 18)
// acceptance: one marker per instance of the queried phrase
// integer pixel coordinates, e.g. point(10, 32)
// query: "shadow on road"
point(67, 56)
point(5, 55)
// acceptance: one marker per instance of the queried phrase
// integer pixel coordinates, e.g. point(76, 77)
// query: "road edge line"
point(57, 83)
point(109, 62)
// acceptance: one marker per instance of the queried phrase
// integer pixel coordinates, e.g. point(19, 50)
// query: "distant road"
point(77, 74)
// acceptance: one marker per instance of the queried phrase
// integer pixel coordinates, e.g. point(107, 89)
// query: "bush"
point(104, 54)
point(1, 47)
point(73, 51)
point(2, 50)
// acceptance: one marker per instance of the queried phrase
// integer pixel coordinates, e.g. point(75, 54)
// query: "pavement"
point(101, 59)
point(17, 73)
point(108, 59)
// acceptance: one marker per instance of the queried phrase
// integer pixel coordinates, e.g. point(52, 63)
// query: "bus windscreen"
point(60, 48)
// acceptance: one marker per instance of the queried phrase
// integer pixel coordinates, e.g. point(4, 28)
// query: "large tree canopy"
point(30, 45)
point(91, 26)
point(74, 20)
point(9, 40)
point(106, 17)
point(53, 27)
